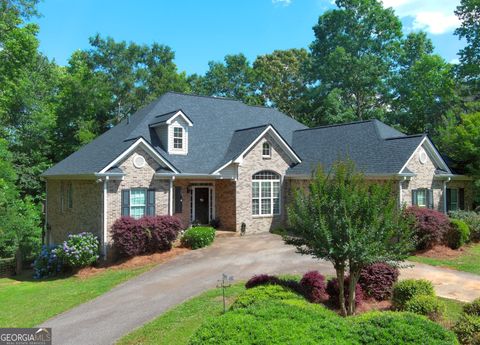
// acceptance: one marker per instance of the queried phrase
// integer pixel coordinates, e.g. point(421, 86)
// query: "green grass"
point(26, 302)
point(178, 324)
point(469, 261)
point(453, 310)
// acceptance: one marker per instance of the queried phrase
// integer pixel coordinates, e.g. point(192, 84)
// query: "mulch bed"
point(441, 252)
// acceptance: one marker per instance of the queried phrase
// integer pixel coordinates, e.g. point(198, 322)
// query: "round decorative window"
point(139, 161)
point(423, 157)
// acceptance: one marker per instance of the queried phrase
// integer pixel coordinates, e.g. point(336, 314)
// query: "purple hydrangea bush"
point(80, 250)
point(48, 263)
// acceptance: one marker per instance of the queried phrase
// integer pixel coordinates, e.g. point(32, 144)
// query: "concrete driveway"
point(137, 301)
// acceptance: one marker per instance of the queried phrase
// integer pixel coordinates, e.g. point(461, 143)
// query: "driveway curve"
point(137, 301)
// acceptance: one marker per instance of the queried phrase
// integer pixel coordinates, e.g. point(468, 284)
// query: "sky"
point(201, 31)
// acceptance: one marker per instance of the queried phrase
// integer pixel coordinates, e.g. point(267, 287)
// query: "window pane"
point(276, 189)
point(255, 190)
point(453, 195)
point(266, 206)
point(137, 197)
point(177, 132)
point(137, 211)
point(177, 143)
point(255, 206)
point(266, 149)
point(421, 197)
point(276, 206)
point(266, 175)
point(266, 189)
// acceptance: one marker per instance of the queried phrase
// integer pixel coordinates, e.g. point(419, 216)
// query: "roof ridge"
point(204, 96)
point(247, 128)
point(407, 136)
point(336, 125)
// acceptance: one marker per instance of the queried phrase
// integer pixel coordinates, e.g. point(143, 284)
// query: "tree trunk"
point(351, 292)
point(341, 293)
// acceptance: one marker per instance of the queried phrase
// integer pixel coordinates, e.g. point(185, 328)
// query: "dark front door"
point(202, 203)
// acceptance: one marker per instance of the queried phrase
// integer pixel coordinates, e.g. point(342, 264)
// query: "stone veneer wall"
point(254, 162)
point(136, 178)
point(85, 214)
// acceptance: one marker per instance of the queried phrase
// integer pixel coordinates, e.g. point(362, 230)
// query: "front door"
point(202, 203)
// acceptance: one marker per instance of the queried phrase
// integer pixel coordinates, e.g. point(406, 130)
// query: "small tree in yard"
point(351, 223)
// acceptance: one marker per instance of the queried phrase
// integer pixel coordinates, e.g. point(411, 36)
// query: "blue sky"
point(200, 31)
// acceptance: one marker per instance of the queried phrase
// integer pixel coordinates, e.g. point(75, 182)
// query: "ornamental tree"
point(352, 223)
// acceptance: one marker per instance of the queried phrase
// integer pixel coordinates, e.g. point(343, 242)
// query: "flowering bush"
point(313, 284)
point(377, 280)
point(48, 263)
point(333, 291)
point(198, 237)
point(430, 226)
point(79, 250)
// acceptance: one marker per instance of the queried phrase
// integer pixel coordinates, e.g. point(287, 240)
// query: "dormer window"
point(266, 150)
point(178, 138)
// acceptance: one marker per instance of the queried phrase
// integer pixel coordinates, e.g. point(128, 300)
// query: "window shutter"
point(430, 198)
point(414, 197)
point(449, 199)
point(151, 202)
point(125, 202)
point(461, 198)
point(178, 200)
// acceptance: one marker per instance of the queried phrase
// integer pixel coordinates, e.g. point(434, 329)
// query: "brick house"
point(204, 158)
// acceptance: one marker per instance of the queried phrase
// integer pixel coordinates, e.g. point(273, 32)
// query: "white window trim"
point(272, 198)
point(424, 191)
point(182, 138)
point(269, 155)
point(144, 205)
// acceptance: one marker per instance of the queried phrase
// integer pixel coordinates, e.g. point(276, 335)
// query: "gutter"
point(188, 175)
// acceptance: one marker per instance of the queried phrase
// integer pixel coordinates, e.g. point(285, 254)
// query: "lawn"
point(26, 302)
point(177, 325)
point(469, 261)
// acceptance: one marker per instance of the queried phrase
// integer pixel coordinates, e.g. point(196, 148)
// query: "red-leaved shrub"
point(334, 291)
point(377, 280)
point(314, 288)
point(262, 279)
point(430, 226)
point(145, 235)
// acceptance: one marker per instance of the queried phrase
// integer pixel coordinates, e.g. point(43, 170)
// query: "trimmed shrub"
point(333, 292)
point(467, 329)
point(198, 237)
point(377, 280)
point(399, 328)
point(161, 231)
point(79, 250)
point(473, 221)
point(405, 290)
point(430, 226)
point(48, 263)
point(314, 288)
point(262, 279)
point(472, 308)
point(458, 234)
point(128, 238)
point(428, 306)
point(264, 293)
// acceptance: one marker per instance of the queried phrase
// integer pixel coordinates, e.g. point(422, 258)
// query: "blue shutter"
point(449, 199)
point(461, 198)
point(430, 198)
point(125, 202)
point(178, 200)
point(151, 202)
point(414, 197)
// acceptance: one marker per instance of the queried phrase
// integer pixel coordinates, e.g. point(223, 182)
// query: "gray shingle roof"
point(211, 139)
point(374, 147)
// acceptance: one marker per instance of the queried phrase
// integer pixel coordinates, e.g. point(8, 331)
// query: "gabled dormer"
point(172, 129)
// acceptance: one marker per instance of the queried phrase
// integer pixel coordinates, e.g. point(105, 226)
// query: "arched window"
point(266, 150)
point(265, 193)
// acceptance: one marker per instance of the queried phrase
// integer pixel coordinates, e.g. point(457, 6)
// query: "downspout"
point(170, 197)
point(105, 232)
point(400, 192)
point(445, 194)
point(45, 224)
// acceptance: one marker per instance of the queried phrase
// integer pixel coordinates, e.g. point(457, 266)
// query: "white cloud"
point(434, 16)
point(282, 2)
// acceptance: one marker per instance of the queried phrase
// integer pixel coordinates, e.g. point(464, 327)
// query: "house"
point(204, 158)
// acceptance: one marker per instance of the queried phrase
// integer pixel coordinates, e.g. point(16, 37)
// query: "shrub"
point(399, 328)
point(467, 329)
point(264, 293)
point(128, 238)
point(458, 234)
point(48, 263)
point(313, 284)
point(377, 280)
point(405, 290)
point(79, 250)
point(472, 308)
point(473, 221)
point(215, 223)
point(428, 306)
point(262, 279)
point(430, 226)
point(333, 292)
point(198, 237)
point(161, 232)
